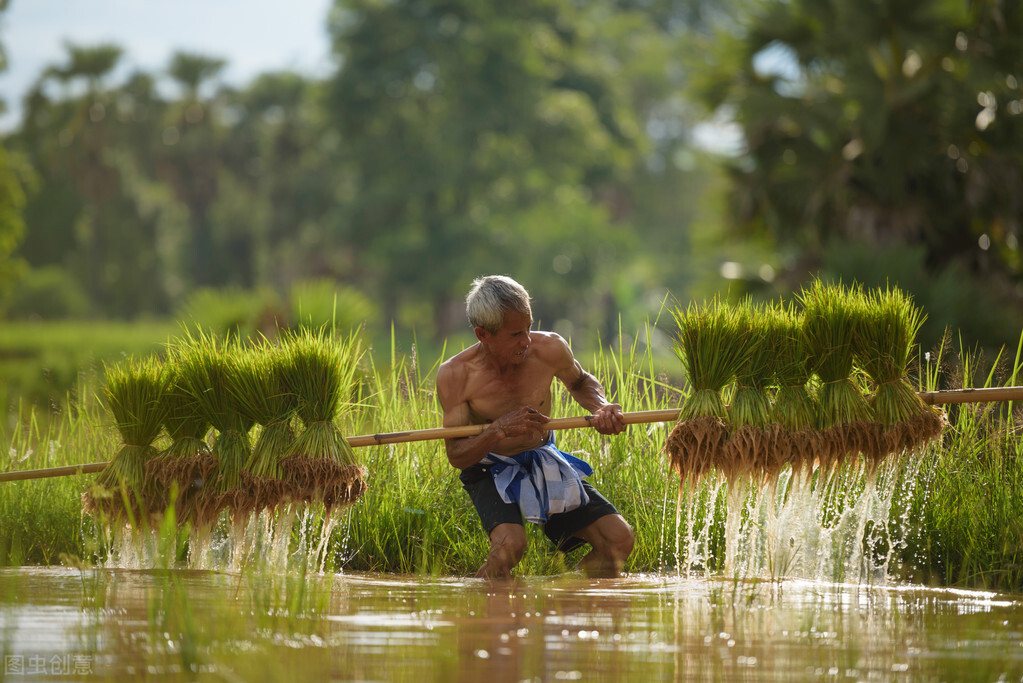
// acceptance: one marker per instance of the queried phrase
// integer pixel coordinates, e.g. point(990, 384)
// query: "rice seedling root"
point(324, 480)
point(694, 446)
point(746, 452)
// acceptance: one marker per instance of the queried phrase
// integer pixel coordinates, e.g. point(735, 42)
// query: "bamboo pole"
point(982, 395)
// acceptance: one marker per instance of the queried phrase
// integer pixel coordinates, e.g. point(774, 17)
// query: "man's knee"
point(617, 536)
point(509, 540)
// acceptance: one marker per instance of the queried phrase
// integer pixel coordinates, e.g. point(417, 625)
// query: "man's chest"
point(492, 396)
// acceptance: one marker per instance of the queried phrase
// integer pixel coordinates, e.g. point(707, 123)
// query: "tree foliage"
point(550, 140)
point(454, 138)
point(476, 133)
point(896, 123)
point(12, 200)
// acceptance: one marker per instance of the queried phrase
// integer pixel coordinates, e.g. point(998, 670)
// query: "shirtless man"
point(505, 380)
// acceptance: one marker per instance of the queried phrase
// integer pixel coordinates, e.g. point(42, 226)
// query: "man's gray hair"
point(493, 296)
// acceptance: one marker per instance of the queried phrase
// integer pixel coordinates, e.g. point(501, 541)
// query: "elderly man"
point(512, 469)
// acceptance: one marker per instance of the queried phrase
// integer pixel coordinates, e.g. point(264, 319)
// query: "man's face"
point(510, 343)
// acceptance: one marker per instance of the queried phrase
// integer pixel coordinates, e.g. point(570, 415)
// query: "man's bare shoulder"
point(550, 347)
point(454, 371)
point(459, 361)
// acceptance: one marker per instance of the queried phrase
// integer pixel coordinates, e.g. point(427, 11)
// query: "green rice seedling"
point(885, 349)
point(711, 347)
point(208, 369)
point(262, 393)
point(188, 458)
point(832, 317)
point(751, 443)
point(135, 392)
point(794, 409)
point(320, 370)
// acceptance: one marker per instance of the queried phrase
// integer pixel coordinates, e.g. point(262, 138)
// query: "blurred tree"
point(93, 63)
point(191, 165)
point(93, 212)
point(893, 124)
point(12, 222)
point(547, 139)
point(12, 201)
point(284, 179)
point(479, 134)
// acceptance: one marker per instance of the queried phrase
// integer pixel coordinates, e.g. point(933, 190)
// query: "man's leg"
point(507, 546)
point(611, 539)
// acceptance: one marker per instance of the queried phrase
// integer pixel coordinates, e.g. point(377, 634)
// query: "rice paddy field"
point(905, 566)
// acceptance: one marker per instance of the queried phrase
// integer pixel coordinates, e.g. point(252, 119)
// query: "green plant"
point(710, 344)
point(885, 346)
point(47, 293)
point(264, 396)
point(188, 458)
point(320, 369)
point(231, 311)
point(135, 392)
point(832, 318)
point(794, 408)
point(751, 444)
point(208, 372)
point(318, 303)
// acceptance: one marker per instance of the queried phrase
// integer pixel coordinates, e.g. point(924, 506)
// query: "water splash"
point(848, 524)
point(291, 537)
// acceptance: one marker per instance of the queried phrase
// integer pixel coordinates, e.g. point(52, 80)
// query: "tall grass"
point(42, 519)
point(956, 507)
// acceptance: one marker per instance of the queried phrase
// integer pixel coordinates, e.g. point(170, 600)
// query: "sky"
point(253, 36)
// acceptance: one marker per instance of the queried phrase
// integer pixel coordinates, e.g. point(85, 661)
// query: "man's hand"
point(521, 422)
point(608, 419)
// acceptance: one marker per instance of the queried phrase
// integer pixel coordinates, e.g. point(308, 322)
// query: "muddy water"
point(63, 624)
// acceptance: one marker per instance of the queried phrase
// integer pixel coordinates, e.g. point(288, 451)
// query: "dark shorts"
point(560, 528)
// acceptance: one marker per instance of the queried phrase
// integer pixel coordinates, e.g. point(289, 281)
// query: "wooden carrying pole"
point(983, 395)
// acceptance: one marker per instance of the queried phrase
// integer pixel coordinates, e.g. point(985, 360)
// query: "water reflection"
point(197, 625)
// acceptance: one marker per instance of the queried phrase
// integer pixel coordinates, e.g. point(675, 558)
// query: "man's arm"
point(468, 451)
point(589, 393)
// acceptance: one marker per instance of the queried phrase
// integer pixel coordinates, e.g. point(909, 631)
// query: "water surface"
point(107, 624)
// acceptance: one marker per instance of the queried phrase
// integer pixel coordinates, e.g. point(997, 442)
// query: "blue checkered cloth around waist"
point(543, 481)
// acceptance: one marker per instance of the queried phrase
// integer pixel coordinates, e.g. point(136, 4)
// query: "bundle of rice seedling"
point(750, 448)
point(187, 462)
point(832, 318)
point(710, 346)
point(207, 372)
point(135, 392)
point(320, 370)
point(885, 348)
point(262, 393)
point(794, 410)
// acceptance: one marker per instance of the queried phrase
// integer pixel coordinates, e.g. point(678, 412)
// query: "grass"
point(793, 406)
point(956, 509)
